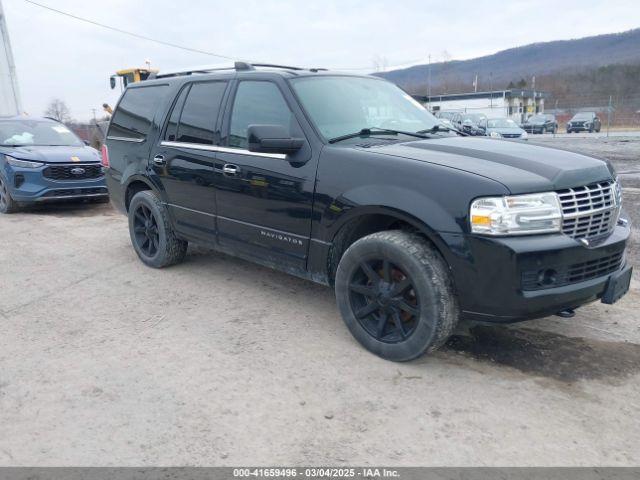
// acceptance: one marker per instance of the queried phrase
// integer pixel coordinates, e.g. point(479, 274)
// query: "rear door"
point(264, 200)
point(132, 131)
point(183, 160)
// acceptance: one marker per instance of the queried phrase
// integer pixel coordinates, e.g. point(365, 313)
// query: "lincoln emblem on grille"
point(77, 171)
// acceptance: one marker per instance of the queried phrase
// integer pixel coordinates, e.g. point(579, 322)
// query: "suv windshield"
point(501, 123)
point(36, 132)
point(583, 116)
point(538, 119)
point(343, 105)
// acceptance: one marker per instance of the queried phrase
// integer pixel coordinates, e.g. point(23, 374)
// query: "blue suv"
point(42, 160)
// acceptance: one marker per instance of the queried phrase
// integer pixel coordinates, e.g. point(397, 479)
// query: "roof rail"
point(237, 66)
point(274, 65)
point(202, 69)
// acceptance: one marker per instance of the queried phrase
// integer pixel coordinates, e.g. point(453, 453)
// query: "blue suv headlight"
point(14, 162)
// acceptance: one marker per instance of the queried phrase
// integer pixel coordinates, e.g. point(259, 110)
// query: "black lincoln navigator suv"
point(347, 181)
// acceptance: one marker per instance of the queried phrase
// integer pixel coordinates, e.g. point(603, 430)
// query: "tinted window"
point(133, 117)
point(257, 103)
point(172, 126)
point(200, 112)
point(342, 105)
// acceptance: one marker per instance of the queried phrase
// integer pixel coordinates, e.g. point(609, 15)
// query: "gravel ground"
point(219, 362)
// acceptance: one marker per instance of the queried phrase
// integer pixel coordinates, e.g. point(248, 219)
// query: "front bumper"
point(579, 128)
point(490, 273)
point(29, 185)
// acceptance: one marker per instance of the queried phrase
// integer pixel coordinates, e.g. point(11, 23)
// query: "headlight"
point(516, 215)
point(22, 163)
point(524, 135)
point(495, 135)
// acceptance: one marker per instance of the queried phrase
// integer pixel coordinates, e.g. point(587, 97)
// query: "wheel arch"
point(365, 220)
point(135, 184)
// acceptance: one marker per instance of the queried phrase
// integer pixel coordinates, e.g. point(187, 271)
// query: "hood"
point(53, 154)
point(520, 167)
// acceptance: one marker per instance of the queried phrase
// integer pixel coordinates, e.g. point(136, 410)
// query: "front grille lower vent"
point(558, 276)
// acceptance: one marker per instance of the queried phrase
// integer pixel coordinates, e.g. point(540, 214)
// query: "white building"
point(516, 104)
point(9, 94)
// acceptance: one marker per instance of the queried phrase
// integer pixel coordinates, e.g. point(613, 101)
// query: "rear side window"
point(134, 115)
point(194, 115)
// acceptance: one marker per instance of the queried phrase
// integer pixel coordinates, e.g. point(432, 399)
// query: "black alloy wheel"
point(384, 300)
point(146, 231)
point(395, 295)
point(151, 232)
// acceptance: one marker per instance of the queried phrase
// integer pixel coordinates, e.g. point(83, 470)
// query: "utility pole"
point(491, 89)
point(429, 81)
point(609, 114)
point(9, 94)
point(555, 113)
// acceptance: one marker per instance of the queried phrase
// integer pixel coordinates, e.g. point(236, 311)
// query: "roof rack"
point(237, 66)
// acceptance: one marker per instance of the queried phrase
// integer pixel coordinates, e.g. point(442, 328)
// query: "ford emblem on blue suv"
point(42, 160)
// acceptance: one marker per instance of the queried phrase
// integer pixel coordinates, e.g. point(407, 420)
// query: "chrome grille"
point(590, 211)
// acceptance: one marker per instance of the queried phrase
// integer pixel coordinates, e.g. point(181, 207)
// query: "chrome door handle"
point(159, 160)
point(231, 169)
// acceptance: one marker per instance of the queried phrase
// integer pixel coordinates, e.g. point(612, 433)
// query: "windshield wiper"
point(366, 132)
point(440, 128)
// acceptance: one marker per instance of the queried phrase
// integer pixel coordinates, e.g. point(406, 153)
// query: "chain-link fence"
point(615, 111)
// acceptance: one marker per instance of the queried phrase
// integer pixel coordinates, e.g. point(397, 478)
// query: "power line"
point(125, 32)
point(182, 47)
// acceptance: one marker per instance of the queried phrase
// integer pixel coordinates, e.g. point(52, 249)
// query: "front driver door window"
point(264, 201)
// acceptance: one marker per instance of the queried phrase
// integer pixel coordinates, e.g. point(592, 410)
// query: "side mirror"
point(87, 143)
point(272, 139)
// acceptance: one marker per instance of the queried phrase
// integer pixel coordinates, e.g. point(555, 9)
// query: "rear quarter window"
point(133, 118)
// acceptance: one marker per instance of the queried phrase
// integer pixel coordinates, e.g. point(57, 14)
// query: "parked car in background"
point(445, 122)
point(584, 122)
point(445, 114)
point(413, 227)
point(541, 123)
point(468, 122)
point(501, 128)
point(41, 160)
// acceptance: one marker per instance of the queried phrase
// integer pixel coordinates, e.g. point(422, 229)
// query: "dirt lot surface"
point(104, 361)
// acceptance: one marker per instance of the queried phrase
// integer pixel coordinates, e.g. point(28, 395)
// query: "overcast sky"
point(57, 56)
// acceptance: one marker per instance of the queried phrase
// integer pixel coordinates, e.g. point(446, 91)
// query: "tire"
point(7, 204)
point(151, 234)
point(395, 295)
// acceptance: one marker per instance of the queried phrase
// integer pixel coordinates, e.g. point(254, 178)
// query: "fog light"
point(18, 180)
point(547, 277)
